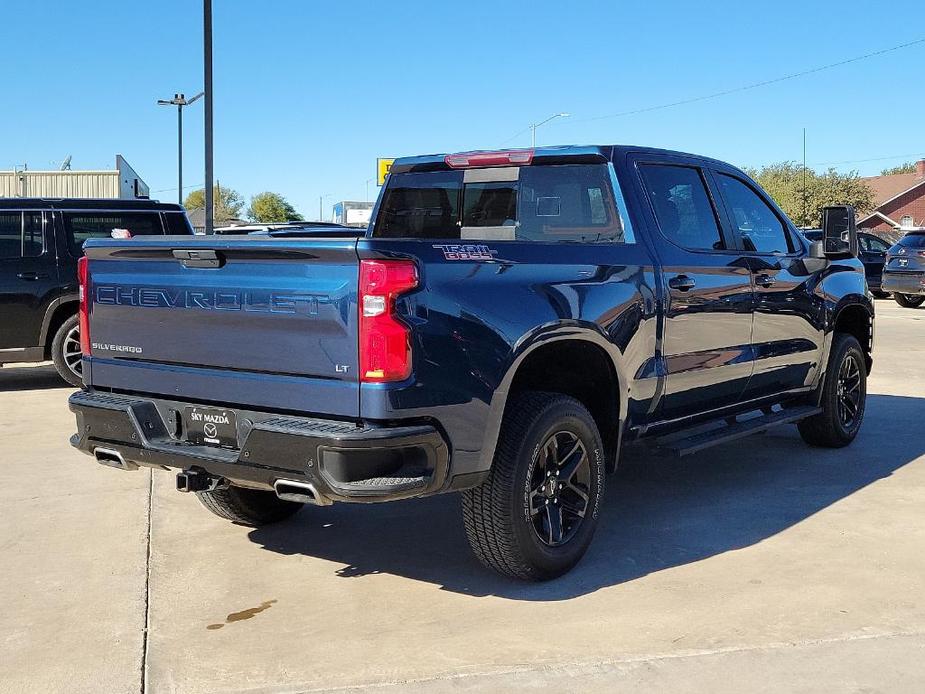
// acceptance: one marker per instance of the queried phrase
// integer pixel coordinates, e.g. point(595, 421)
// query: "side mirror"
point(839, 233)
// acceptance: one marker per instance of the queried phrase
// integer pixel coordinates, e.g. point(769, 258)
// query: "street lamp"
point(368, 181)
point(179, 100)
point(321, 199)
point(536, 125)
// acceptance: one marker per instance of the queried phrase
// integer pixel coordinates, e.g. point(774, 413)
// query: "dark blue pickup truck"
point(508, 321)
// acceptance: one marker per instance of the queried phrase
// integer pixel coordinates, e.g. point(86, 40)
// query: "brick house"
point(899, 203)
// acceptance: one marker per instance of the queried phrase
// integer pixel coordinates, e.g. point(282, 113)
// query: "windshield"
point(572, 202)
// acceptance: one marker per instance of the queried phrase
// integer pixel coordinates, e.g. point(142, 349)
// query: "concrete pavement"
point(762, 565)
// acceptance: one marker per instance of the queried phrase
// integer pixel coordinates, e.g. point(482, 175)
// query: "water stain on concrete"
point(242, 615)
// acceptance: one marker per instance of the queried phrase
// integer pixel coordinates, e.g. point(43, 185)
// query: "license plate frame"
point(211, 426)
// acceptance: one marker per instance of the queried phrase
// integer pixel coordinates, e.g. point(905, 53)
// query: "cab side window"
point(21, 235)
point(682, 206)
point(872, 244)
point(761, 230)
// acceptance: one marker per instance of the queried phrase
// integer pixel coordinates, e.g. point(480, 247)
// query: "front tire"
point(65, 352)
point(844, 397)
point(252, 507)
point(908, 300)
point(535, 515)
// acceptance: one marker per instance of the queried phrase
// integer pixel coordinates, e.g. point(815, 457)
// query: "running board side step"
point(694, 443)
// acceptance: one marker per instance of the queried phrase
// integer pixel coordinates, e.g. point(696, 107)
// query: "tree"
point(908, 167)
point(803, 203)
point(272, 207)
point(227, 201)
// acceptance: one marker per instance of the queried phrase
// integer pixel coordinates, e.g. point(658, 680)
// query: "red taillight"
point(83, 278)
point(475, 160)
point(385, 342)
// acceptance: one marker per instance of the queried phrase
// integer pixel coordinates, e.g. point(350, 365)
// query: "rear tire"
point(535, 515)
point(844, 396)
point(908, 300)
point(65, 352)
point(248, 506)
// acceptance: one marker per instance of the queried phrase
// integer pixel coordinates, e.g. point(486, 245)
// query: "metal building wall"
point(59, 184)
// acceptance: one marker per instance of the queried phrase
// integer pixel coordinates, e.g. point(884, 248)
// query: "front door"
point(706, 353)
point(28, 277)
point(787, 332)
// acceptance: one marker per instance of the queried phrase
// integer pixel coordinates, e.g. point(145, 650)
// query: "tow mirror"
point(839, 232)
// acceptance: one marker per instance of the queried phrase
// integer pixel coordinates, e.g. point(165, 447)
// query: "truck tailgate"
point(248, 321)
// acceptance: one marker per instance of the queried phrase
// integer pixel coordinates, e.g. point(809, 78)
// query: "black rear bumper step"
point(344, 461)
point(680, 445)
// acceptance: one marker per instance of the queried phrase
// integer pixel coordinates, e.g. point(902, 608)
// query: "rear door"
point(787, 335)
point(28, 278)
point(708, 292)
point(247, 321)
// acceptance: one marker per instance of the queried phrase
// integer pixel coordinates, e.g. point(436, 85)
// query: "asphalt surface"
point(762, 565)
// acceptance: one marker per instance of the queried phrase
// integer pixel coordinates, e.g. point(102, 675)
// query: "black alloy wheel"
point(560, 485)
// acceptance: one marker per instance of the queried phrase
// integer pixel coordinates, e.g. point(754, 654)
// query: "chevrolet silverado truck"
point(508, 322)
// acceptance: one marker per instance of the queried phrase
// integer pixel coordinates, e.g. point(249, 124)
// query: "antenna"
point(66, 164)
point(804, 175)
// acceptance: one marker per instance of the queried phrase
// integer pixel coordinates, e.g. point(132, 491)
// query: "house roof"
point(888, 187)
point(878, 214)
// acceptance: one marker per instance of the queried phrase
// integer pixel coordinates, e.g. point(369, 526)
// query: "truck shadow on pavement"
point(13, 378)
point(658, 513)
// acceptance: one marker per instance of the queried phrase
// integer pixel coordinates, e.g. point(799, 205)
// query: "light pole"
point(179, 100)
point(368, 181)
point(321, 199)
point(534, 126)
point(207, 84)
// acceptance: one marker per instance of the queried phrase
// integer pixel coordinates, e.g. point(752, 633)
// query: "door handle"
point(32, 276)
point(764, 280)
point(682, 283)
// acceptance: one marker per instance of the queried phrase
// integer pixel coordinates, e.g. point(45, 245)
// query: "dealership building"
point(122, 182)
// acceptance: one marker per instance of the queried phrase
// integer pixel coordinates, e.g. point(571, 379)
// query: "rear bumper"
point(343, 461)
point(903, 282)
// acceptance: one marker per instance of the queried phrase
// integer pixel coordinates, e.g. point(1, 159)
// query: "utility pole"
point(179, 100)
point(321, 199)
point(207, 83)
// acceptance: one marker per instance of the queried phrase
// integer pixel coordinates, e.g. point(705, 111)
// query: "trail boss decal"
point(466, 251)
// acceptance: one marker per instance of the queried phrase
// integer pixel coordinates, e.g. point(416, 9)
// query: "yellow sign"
point(383, 166)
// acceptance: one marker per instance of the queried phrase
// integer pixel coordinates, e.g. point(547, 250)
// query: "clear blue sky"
point(308, 94)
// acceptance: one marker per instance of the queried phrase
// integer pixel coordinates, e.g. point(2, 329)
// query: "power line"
point(862, 161)
point(164, 190)
point(754, 85)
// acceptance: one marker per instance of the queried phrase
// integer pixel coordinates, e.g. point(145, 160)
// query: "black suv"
point(40, 242)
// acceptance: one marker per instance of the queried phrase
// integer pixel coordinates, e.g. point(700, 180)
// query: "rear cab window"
point(913, 240)
point(542, 203)
point(83, 225)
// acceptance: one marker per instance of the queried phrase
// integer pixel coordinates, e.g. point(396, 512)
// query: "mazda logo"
point(210, 430)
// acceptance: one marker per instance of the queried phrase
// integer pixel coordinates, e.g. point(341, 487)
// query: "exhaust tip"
point(300, 493)
point(112, 458)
